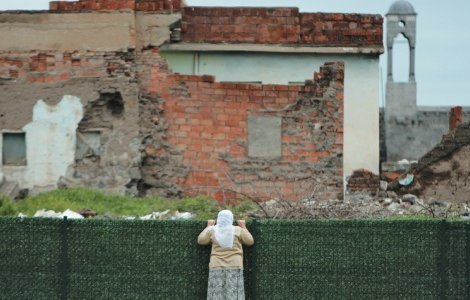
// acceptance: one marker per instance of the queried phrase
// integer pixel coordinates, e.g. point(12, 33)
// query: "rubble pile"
point(441, 174)
point(360, 206)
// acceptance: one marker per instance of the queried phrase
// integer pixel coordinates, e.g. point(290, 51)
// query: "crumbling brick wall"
point(363, 181)
point(279, 26)
point(57, 66)
point(205, 135)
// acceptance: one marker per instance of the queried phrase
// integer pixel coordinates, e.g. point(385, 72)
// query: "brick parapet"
point(139, 5)
point(338, 29)
point(279, 26)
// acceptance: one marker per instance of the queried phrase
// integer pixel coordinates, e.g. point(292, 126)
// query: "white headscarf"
point(223, 229)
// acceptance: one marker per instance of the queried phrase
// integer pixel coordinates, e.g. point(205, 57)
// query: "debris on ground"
point(52, 214)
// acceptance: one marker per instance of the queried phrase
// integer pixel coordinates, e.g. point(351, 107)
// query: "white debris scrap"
point(156, 215)
point(181, 216)
point(42, 213)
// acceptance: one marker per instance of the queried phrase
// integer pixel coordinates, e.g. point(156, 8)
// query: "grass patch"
point(117, 205)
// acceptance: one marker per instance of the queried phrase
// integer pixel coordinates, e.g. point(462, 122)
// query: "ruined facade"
point(88, 100)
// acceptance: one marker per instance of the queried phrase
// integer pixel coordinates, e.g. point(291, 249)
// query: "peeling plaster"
point(50, 143)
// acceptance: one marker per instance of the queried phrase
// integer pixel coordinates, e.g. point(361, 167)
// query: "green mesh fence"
point(311, 259)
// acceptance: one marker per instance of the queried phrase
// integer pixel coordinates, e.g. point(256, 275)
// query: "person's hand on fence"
point(242, 223)
point(210, 223)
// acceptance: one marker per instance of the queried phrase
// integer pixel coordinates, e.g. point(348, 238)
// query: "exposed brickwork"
point(456, 117)
point(206, 125)
point(341, 29)
point(55, 66)
point(141, 5)
point(279, 26)
point(363, 181)
point(245, 25)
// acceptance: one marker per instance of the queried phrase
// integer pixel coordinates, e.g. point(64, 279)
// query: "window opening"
point(14, 148)
point(401, 59)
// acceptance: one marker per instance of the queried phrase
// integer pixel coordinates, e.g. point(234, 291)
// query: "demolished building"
point(90, 98)
point(442, 173)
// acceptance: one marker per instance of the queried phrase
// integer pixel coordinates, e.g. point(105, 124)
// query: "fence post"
point(254, 231)
point(64, 264)
point(467, 258)
point(443, 264)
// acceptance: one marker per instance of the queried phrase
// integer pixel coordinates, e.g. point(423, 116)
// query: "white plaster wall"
point(361, 90)
point(50, 143)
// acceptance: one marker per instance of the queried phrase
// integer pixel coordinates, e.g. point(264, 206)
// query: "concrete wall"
point(82, 31)
point(361, 111)
point(154, 29)
point(413, 135)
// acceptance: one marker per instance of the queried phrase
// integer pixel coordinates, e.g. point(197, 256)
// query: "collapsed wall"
point(443, 173)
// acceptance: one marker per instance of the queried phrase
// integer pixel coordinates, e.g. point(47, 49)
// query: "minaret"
point(400, 103)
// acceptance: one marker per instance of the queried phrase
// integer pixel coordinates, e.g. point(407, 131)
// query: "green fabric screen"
point(296, 259)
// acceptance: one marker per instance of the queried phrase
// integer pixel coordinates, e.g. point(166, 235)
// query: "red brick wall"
point(58, 66)
point(246, 25)
point(206, 130)
point(456, 117)
point(341, 29)
point(143, 5)
point(363, 181)
point(279, 25)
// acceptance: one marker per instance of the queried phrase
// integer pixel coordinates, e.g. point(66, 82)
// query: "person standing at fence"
point(226, 261)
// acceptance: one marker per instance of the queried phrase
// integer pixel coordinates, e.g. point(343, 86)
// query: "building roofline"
point(276, 48)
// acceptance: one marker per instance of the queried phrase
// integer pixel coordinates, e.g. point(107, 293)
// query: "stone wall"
point(279, 25)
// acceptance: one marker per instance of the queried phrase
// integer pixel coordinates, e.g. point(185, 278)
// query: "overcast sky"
point(442, 47)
